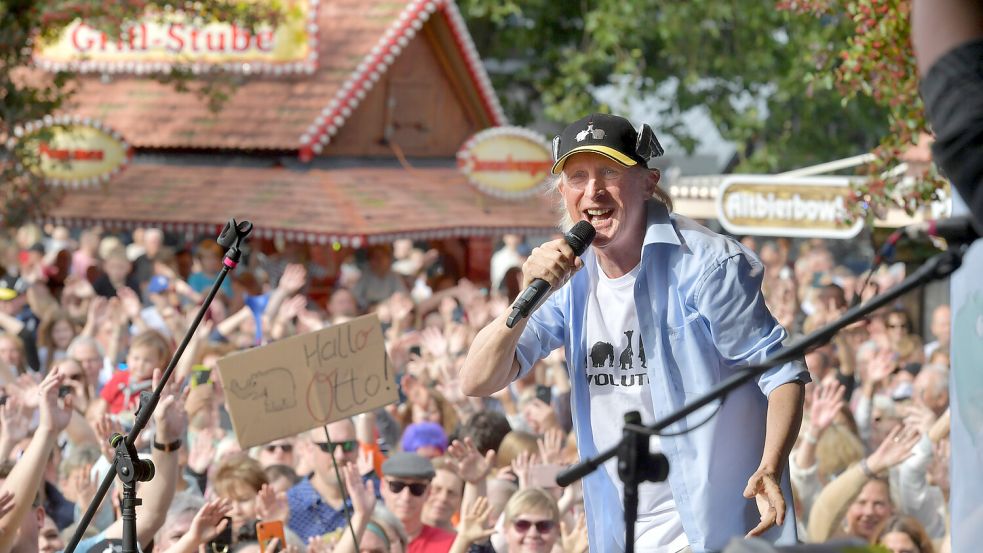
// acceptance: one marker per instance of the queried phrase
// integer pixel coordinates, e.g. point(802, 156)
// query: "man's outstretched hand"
point(764, 489)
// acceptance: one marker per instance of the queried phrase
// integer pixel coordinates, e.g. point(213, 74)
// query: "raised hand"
point(471, 464)
point(474, 525)
point(55, 413)
point(827, 401)
point(881, 365)
point(26, 387)
point(294, 278)
point(322, 544)
point(6, 502)
point(364, 462)
point(81, 485)
point(540, 415)
point(574, 539)
point(15, 418)
point(170, 417)
point(521, 465)
point(896, 447)
point(919, 417)
point(271, 505)
point(433, 341)
point(130, 303)
point(202, 451)
point(210, 520)
point(105, 427)
point(449, 385)
point(551, 446)
point(291, 308)
point(361, 493)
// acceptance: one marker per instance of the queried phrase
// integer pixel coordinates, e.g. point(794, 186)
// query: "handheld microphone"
point(578, 238)
point(955, 230)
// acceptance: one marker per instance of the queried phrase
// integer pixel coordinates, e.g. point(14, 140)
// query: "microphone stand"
point(126, 463)
point(634, 457)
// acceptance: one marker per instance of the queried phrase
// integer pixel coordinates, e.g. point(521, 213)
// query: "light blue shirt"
point(699, 302)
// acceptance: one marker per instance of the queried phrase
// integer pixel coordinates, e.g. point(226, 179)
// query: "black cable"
point(344, 490)
point(690, 429)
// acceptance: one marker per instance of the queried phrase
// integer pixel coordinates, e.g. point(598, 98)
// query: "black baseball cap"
point(611, 136)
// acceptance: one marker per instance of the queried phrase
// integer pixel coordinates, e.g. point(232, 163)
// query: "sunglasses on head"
point(542, 526)
point(347, 446)
point(286, 448)
point(416, 488)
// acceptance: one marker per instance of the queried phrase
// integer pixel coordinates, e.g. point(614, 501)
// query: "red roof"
point(357, 40)
point(352, 205)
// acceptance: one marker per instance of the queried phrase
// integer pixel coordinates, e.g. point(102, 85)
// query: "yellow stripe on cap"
point(605, 151)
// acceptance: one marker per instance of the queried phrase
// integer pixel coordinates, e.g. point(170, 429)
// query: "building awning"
point(352, 206)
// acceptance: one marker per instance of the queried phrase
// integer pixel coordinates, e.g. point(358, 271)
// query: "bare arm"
point(782, 427)
point(157, 494)
point(491, 363)
point(25, 478)
point(784, 418)
point(938, 26)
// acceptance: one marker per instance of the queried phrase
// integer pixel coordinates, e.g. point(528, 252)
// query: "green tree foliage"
point(791, 83)
point(876, 63)
point(745, 61)
point(28, 95)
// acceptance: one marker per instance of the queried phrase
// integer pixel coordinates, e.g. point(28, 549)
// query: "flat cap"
point(408, 465)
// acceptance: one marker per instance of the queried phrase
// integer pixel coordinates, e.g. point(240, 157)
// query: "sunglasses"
point(416, 488)
point(542, 526)
point(76, 377)
point(899, 325)
point(286, 448)
point(347, 446)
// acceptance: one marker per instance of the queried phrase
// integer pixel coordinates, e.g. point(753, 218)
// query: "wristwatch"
point(167, 448)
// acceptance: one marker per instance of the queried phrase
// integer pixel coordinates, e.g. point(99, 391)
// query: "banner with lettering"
point(810, 207)
point(307, 381)
point(159, 41)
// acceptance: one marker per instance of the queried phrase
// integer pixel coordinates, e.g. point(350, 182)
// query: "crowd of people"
point(87, 320)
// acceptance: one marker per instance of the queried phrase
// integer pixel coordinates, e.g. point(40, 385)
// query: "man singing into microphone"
point(663, 310)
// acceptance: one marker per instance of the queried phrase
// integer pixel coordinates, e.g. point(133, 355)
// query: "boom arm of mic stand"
point(938, 266)
point(231, 238)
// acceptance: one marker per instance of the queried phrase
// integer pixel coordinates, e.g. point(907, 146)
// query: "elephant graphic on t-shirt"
point(601, 351)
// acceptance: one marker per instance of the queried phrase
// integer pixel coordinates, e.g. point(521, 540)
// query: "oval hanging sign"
point(506, 162)
point(787, 206)
point(72, 151)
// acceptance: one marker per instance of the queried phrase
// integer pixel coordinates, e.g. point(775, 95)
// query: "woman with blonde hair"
point(532, 522)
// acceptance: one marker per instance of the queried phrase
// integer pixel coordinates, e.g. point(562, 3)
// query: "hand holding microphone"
point(548, 267)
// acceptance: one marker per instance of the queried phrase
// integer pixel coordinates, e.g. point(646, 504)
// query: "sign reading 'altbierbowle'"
point(160, 40)
point(779, 206)
point(307, 381)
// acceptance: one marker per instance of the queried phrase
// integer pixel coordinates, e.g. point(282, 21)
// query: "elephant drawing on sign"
point(600, 352)
point(276, 386)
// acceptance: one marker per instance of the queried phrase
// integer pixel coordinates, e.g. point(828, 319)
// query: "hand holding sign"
point(307, 381)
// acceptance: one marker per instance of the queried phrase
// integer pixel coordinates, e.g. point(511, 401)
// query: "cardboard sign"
point(307, 381)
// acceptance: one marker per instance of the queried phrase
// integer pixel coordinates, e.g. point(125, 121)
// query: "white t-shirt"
point(618, 382)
